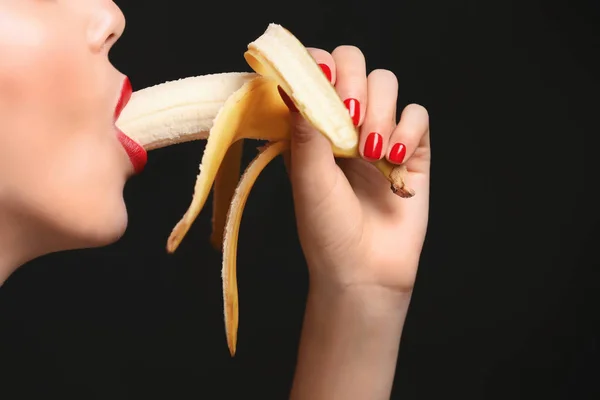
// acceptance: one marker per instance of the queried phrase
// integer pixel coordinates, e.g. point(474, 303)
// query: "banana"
point(255, 111)
point(178, 111)
point(228, 108)
point(232, 230)
point(224, 187)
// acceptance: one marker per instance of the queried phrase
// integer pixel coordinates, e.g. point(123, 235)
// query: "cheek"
point(87, 162)
point(48, 76)
point(59, 158)
point(55, 140)
point(75, 188)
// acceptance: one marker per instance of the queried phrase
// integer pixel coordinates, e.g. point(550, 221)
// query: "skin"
point(362, 269)
point(62, 173)
point(62, 170)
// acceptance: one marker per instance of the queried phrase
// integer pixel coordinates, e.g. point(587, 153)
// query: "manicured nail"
point(373, 146)
point(398, 153)
point(326, 71)
point(353, 107)
point(286, 99)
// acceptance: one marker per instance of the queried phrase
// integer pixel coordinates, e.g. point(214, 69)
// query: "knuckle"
point(383, 74)
point(355, 84)
point(417, 110)
point(302, 132)
point(383, 78)
point(347, 50)
point(318, 53)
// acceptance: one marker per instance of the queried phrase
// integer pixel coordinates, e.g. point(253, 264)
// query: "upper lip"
point(124, 97)
point(135, 151)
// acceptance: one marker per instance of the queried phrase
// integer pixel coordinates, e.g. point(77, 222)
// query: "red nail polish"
point(398, 153)
point(286, 99)
point(373, 146)
point(353, 107)
point(326, 71)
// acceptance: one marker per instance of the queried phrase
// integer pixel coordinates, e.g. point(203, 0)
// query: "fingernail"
point(286, 99)
point(373, 146)
point(353, 107)
point(398, 153)
point(326, 71)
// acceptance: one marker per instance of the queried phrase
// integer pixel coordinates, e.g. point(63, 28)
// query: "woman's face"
point(62, 165)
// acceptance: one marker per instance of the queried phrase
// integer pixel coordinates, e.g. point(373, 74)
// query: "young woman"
point(63, 167)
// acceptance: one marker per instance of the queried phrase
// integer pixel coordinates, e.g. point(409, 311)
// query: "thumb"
point(314, 171)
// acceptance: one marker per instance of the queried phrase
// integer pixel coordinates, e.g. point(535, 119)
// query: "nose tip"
point(106, 26)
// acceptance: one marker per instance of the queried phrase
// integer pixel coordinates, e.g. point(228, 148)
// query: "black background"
point(506, 303)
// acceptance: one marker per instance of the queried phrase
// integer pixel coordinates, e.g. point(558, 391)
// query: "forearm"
point(349, 344)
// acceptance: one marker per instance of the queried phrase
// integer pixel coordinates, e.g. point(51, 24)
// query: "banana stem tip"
point(402, 191)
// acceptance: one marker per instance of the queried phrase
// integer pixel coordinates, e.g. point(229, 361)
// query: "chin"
point(109, 230)
point(109, 233)
point(101, 229)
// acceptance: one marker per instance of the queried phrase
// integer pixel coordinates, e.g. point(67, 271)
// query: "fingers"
point(382, 92)
point(313, 169)
point(412, 133)
point(371, 103)
point(409, 134)
point(351, 80)
point(325, 61)
point(327, 64)
point(311, 154)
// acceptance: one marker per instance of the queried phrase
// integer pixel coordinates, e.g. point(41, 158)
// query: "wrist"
point(329, 285)
point(363, 272)
point(370, 300)
point(349, 342)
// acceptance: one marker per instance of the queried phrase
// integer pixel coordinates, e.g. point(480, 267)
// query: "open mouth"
point(137, 154)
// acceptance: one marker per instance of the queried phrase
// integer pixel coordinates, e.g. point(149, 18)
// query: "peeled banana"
point(228, 108)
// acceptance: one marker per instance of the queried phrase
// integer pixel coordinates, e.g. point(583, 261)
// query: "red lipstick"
point(137, 154)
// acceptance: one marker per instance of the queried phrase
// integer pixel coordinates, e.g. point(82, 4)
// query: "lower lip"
point(137, 154)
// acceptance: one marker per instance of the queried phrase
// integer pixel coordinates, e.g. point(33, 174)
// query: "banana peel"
point(228, 108)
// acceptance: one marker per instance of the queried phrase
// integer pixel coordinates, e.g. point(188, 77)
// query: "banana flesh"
point(227, 108)
point(255, 111)
point(178, 111)
point(278, 54)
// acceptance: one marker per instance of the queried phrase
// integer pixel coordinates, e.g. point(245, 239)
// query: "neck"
point(7, 265)
point(19, 243)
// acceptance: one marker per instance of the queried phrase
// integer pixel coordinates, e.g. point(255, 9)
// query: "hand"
point(353, 230)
